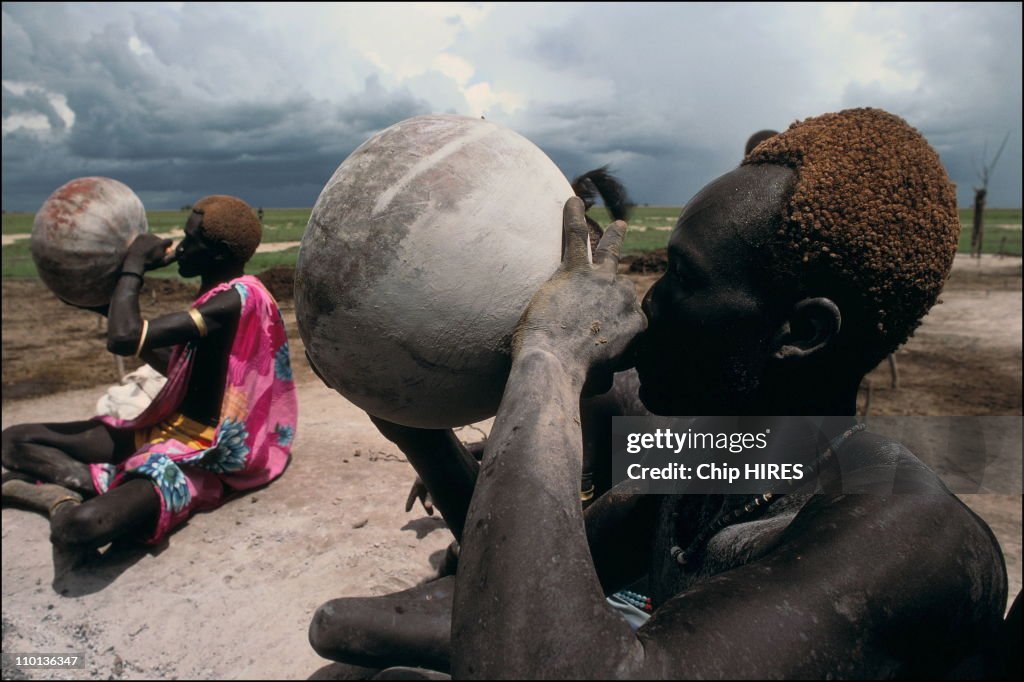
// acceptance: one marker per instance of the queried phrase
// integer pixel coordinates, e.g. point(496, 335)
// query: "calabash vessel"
point(419, 257)
point(80, 237)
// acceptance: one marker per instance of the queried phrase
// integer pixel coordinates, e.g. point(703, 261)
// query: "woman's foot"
point(43, 497)
point(16, 476)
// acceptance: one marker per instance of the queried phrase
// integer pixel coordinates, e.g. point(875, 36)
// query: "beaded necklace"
point(636, 600)
point(685, 557)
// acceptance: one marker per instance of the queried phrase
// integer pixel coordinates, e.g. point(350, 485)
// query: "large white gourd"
point(80, 237)
point(420, 255)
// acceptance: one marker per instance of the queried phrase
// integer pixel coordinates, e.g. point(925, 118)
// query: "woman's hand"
point(148, 252)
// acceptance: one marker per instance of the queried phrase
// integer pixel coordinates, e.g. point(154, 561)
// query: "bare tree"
point(984, 173)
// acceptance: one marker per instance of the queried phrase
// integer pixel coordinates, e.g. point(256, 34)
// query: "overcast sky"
point(264, 101)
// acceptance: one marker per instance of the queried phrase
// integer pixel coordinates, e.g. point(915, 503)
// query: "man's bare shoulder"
point(878, 473)
point(900, 515)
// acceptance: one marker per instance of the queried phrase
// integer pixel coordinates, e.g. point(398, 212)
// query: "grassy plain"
point(649, 229)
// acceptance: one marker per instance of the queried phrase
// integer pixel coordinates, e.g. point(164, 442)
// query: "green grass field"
point(650, 227)
point(17, 261)
point(280, 224)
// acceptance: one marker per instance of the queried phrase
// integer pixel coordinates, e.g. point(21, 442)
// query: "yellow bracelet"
point(66, 498)
point(142, 338)
point(197, 317)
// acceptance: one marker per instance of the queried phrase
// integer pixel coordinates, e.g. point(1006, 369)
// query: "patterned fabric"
point(179, 427)
point(634, 615)
point(251, 444)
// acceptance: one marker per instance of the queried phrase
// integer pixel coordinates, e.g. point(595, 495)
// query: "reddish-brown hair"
point(872, 218)
point(232, 222)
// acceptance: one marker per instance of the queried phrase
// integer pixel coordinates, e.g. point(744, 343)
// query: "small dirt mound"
point(279, 281)
point(652, 261)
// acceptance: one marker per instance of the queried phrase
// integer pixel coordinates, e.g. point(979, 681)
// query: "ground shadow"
point(437, 560)
point(102, 569)
point(424, 526)
point(343, 671)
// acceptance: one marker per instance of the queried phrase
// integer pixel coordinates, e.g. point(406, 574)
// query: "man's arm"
point(620, 529)
point(125, 325)
point(442, 462)
point(444, 466)
point(526, 584)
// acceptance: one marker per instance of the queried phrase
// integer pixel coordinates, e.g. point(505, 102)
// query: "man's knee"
point(326, 627)
point(343, 629)
point(408, 628)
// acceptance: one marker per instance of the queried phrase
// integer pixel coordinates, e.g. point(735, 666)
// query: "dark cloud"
point(557, 49)
point(275, 154)
point(180, 102)
point(167, 141)
point(684, 86)
point(32, 102)
point(963, 106)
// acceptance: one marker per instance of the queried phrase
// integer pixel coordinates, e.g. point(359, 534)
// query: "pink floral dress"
point(253, 437)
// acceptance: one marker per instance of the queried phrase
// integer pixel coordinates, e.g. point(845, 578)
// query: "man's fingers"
point(607, 254)
point(411, 500)
point(428, 504)
point(575, 233)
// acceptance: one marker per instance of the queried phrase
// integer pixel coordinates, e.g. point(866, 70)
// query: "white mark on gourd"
point(426, 163)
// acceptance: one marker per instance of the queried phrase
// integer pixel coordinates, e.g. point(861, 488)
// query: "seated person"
point(224, 420)
point(789, 278)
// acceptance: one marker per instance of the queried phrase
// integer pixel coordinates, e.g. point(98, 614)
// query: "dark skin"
point(413, 627)
point(60, 453)
point(837, 584)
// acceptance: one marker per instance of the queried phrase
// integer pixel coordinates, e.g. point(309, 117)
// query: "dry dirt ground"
point(230, 594)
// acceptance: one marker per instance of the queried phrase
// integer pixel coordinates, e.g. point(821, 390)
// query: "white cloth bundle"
point(134, 394)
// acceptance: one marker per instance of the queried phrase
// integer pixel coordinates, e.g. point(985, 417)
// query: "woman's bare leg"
point(61, 453)
point(132, 507)
point(77, 529)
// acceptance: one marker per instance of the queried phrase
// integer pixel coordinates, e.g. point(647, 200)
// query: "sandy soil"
point(231, 593)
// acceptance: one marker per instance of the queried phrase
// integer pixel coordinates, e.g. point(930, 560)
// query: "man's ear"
point(812, 324)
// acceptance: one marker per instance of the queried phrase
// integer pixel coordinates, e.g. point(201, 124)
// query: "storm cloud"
point(264, 101)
